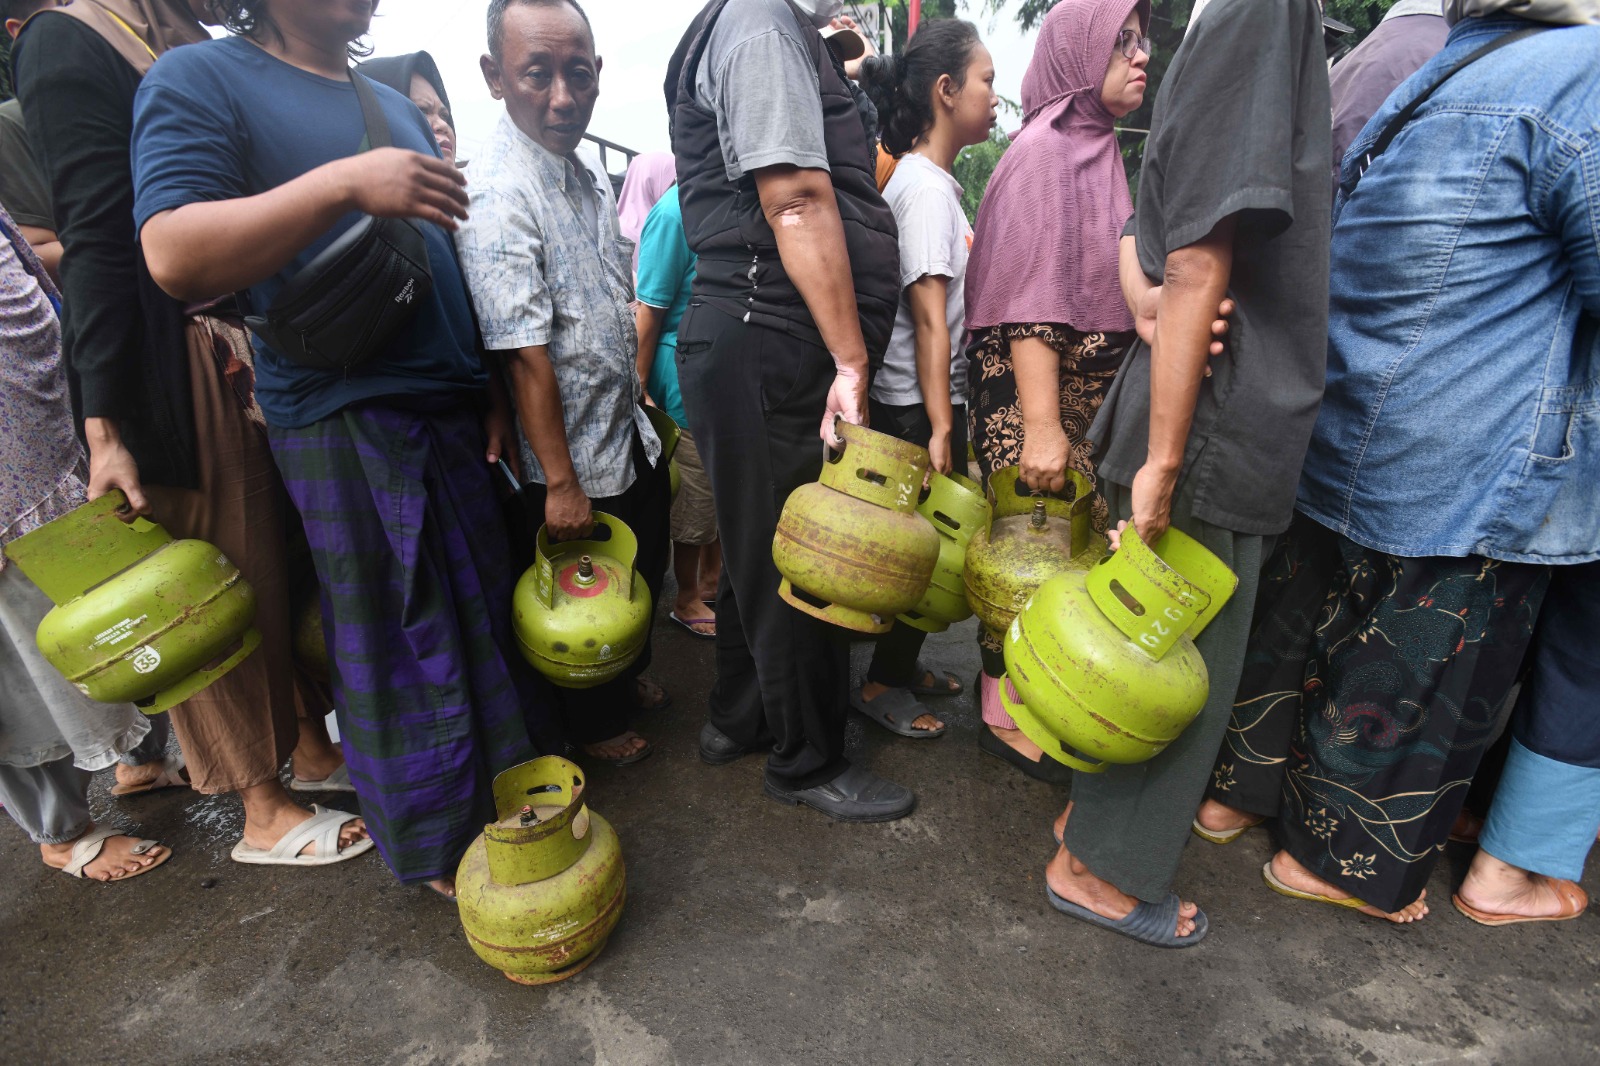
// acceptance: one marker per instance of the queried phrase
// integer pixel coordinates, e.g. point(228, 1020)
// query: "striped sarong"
point(412, 555)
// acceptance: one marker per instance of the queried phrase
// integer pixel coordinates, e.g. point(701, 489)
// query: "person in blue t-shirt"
point(247, 162)
point(666, 271)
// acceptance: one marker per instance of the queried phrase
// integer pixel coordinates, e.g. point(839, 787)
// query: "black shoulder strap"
point(1392, 130)
point(371, 112)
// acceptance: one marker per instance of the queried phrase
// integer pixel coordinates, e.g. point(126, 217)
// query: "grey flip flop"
point(935, 689)
point(896, 709)
point(1148, 923)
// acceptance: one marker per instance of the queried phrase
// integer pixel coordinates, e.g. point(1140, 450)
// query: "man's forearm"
point(804, 214)
point(203, 250)
point(537, 395)
point(1196, 282)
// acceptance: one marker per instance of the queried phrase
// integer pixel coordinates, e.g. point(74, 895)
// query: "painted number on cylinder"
point(1158, 628)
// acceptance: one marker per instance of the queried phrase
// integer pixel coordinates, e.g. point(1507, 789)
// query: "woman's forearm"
point(204, 250)
point(1038, 373)
point(928, 299)
point(647, 320)
point(1134, 282)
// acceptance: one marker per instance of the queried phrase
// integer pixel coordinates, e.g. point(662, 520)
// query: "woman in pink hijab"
point(650, 175)
point(1048, 322)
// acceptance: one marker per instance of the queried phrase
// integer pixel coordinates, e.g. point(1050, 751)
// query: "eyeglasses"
point(1129, 41)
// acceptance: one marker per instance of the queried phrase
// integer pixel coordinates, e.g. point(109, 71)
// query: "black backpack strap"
point(371, 112)
point(1392, 130)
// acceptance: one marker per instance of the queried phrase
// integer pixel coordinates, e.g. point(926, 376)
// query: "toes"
point(927, 722)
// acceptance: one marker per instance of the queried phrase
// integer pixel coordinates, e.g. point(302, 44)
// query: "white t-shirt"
point(935, 238)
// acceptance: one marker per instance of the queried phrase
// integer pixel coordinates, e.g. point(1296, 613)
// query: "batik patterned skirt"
point(412, 555)
point(1089, 363)
point(1371, 689)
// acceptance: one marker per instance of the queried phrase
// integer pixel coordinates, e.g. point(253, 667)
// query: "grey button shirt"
point(539, 276)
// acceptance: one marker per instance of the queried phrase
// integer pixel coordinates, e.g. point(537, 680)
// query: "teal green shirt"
point(666, 270)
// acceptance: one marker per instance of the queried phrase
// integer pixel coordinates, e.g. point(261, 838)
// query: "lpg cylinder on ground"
point(582, 612)
point(851, 546)
point(956, 508)
point(1031, 537)
point(140, 617)
point(541, 889)
point(1104, 660)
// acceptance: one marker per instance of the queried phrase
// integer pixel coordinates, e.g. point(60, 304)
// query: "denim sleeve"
point(1574, 209)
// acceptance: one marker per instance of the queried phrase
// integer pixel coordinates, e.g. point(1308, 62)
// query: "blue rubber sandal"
point(1148, 923)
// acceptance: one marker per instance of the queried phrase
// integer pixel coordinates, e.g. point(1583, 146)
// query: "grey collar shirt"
point(541, 273)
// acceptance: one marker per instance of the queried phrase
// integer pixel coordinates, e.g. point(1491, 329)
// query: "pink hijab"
point(650, 175)
point(1045, 247)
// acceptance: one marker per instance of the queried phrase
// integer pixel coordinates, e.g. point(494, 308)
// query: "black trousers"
point(755, 397)
point(594, 714)
point(894, 660)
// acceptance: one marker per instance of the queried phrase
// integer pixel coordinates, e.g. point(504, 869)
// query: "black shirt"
point(124, 337)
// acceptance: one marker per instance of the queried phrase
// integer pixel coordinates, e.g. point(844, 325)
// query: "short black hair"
point(21, 9)
point(497, 19)
point(250, 18)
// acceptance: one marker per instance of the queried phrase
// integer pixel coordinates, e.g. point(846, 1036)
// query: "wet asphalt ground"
point(760, 933)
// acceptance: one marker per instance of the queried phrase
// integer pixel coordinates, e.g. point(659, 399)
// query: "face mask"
point(821, 11)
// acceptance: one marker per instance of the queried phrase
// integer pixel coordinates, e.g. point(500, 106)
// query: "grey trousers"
point(49, 801)
point(1129, 824)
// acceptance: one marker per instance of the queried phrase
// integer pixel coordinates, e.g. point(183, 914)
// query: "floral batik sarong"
point(1370, 692)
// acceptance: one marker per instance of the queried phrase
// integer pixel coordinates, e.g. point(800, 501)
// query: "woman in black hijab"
point(417, 76)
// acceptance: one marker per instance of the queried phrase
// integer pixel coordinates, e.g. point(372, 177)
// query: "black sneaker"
point(857, 795)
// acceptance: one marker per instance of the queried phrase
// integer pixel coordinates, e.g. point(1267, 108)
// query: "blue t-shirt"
point(666, 271)
point(222, 120)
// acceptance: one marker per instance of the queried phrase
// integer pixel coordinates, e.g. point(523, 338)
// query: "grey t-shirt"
point(22, 186)
point(1241, 127)
point(759, 78)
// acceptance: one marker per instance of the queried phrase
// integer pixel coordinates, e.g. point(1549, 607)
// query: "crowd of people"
point(1383, 417)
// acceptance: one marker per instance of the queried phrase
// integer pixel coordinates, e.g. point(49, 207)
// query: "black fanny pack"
point(349, 303)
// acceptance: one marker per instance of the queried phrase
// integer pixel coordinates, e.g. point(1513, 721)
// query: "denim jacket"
point(1462, 411)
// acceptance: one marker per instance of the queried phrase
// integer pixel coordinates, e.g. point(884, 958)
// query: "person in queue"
point(416, 77)
point(1395, 623)
point(52, 737)
point(551, 278)
point(1232, 203)
point(650, 175)
point(794, 299)
point(665, 281)
point(23, 192)
point(168, 402)
point(933, 99)
point(389, 462)
point(1048, 322)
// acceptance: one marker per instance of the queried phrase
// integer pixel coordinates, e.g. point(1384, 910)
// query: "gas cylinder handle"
point(831, 454)
point(622, 545)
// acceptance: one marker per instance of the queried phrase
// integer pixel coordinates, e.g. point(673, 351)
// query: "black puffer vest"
point(739, 270)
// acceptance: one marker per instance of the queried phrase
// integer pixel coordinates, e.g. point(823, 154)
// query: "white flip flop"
point(338, 781)
point(87, 849)
point(322, 828)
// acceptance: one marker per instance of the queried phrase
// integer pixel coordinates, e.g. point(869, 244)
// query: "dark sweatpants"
point(755, 398)
point(592, 715)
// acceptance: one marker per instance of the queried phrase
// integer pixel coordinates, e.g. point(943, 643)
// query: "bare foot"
point(445, 886)
point(650, 695)
point(1499, 888)
point(688, 610)
point(115, 861)
point(871, 690)
point(1061, 824)
point(138, 776)
point(618, 747)
point(269, 813)
point(1220, 818)
point(1072, 881)
point(1288, 870)
point(1466, 828)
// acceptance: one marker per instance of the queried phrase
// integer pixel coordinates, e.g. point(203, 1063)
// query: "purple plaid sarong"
point(411, 551)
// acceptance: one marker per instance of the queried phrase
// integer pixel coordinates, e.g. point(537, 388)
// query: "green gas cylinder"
point(582, 612)
point(1031, 537)
point(670, 434)
point(140, 617)
point(1104, 660)
point(955, 506)
point(851, 546)
point(543, 887)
